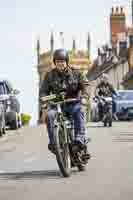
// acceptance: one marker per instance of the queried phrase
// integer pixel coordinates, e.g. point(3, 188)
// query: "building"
point(112, 59)
point(128, 78)
point(117, 25)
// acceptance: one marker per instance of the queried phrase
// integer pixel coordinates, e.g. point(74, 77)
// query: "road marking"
point(30, 159)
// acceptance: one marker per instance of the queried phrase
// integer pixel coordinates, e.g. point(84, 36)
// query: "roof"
point(96, 71)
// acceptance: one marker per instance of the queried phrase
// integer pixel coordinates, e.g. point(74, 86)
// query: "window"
point(126, 96)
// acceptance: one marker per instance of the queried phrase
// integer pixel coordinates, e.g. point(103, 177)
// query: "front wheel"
point(62, 150)
point(81, 167)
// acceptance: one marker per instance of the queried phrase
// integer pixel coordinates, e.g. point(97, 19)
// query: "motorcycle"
point(67, 155)
point(106, 104)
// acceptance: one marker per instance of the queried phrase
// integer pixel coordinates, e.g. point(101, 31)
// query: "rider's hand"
point(84, 101)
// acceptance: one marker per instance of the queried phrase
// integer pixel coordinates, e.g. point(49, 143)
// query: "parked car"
point(12, 105)
point(3, 99)
point(124, 104)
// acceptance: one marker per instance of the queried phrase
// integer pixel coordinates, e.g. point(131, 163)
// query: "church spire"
point(62, 39)
point(38, 50)
point(88, 44)
point(74, 46)
point(52, 42)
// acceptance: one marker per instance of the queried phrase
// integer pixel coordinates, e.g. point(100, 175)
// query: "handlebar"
point(48, 98)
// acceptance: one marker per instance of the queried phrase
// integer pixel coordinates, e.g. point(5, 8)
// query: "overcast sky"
point(23, 21)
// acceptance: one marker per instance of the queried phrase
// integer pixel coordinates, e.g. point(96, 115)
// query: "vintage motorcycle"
point(66, 155)
point(106, 104)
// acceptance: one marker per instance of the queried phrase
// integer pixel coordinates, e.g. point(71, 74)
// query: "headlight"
point(84, 101)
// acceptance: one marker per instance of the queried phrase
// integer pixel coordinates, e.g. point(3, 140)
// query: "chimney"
point(117, 10)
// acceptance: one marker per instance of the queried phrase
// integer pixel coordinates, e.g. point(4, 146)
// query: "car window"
point(2, 89)
point(125, 96)
point(8, 90)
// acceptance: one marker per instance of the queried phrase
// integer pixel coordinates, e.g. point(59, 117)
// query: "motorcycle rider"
point(64, 77)
point(105, 89)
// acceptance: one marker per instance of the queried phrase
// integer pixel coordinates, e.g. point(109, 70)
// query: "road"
point(29, 171)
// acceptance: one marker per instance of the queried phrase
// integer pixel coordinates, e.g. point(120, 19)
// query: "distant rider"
point(105, 89)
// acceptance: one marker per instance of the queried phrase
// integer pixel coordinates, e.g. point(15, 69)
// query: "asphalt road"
point(29, 171)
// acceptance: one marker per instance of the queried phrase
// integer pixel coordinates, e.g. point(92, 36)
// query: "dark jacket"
point(105, 89)
point(71, 81)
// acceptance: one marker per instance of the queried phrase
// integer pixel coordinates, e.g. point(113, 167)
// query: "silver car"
point(12, 105)
point(124, 104)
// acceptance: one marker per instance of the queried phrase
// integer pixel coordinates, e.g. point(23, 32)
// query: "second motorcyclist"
point(105, 89)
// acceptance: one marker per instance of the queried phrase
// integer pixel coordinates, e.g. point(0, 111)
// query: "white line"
point(30, 160)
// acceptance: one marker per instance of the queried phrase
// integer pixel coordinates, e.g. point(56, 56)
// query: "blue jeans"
point(78, 115)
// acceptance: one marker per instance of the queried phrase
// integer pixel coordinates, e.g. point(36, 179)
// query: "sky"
point(22, 22)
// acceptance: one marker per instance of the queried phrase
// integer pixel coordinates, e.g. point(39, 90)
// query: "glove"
point(84, 101)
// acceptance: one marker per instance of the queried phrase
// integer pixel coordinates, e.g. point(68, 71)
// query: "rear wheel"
point(110, 124)
point(62, 151)
point(105, 123)
point(81, 167)
point(110, 118)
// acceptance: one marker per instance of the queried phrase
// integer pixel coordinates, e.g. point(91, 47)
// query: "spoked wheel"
point(62, 151)
point(81, 167)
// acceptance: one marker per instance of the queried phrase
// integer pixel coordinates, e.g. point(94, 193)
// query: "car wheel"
point(14, 123)
point(19, 121)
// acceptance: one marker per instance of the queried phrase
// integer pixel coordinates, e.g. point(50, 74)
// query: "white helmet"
point(104, 77)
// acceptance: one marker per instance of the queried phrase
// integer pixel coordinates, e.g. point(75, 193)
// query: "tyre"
point(110, 124)
point(14, 123)
point(105, 123)
point(62, 151)
point(110, 118)
point(81, 167)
